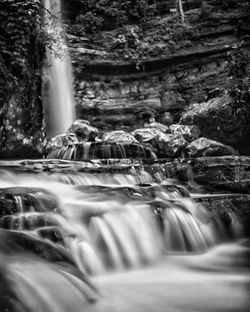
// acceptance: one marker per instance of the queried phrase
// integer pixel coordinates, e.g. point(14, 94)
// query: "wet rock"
point(230, 173)
point(83, 130)
point(102, 150)
point(173, 145)
point(158, 125)
point(60, 140)
point(25, 199)
point(23, 243)
point(144, 135)
point(119, 136)
point(109, 150)
point(219, 119)
point(206, 147)
point(166, 144)
point(190, 133)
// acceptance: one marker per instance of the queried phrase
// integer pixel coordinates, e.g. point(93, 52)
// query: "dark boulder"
point(219, 119)
point(26, 199)
point(230, 173)
point(25, 243)
point(102, 150)
point(83, 130)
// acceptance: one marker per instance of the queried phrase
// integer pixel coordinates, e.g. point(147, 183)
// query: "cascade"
point(75, 225)
point(115, 224)
point(67, 226)
point(57, 90)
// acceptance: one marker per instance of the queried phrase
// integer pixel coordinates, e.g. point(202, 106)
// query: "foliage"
point(238, 66)
point(128, 44)
point(20, 71)
point(106, 14)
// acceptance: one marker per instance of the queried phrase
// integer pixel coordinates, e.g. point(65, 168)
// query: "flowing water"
point(97, 227)
point(57, 90)
point(72, 241)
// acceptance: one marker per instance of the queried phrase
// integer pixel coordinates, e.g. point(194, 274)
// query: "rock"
point(119, 136)
point(190, 133)
point(102, 150)
point(206, 147)
point(61, 140)
point(171, 100)
point(157, 125)
point(144, 135)
point(167, 145)
point(109, 150)
point(231, 173)
point(26, 199)
point(83, 130)
point(24, 242)
point(173, 145)
point(219, 120)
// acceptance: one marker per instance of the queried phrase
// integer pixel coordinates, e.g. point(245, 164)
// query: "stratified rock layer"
point(180, 65)
point(231, 173)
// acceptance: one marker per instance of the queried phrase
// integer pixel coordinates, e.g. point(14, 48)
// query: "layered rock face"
point(175, 67)
point(229, 173)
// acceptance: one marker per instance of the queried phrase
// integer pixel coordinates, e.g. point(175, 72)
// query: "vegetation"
point(238, 66)
point(21, 57)
point(99, 15)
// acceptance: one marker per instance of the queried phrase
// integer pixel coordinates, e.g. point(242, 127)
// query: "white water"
point(110, 230)
point(57, 90)
point(104, 232)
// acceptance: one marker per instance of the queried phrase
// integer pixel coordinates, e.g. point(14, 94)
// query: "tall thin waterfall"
point(57, 90)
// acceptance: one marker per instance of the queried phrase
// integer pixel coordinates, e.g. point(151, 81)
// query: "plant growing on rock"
point(107, 14)
point(23, 39)
point(238, 66)
point(128, 43)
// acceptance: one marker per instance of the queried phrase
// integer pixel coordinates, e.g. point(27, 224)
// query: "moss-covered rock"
point(21, 112)
point(206, 147)
point(219, 119)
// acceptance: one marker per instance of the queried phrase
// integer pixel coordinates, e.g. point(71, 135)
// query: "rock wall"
point(132, 99)
point(21, 111)
point(114, 92)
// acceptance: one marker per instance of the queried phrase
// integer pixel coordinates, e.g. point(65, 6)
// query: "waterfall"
point(108, 222)
point(59, 234)
point(57, 88)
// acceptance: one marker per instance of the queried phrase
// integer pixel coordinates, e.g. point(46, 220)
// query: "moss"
point(20, 71)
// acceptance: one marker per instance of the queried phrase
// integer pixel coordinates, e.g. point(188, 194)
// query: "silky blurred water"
point(115, 253)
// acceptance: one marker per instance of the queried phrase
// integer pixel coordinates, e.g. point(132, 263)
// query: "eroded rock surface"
point(165, 144)
point(119, 136)
point(206, 147)
point(230, 173)
point(190, 133)
point(219, 119)
point(83, 130)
